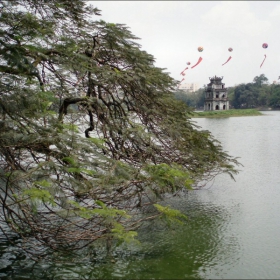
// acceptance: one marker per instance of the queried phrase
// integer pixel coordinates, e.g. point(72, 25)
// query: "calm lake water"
point(233, 230)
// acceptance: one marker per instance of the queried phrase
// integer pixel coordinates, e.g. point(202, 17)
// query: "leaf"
point(121, 234)
point(172, 215)
point(40, 195)
point(70, 160)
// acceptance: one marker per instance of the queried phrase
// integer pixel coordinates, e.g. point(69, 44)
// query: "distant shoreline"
point(226, 113)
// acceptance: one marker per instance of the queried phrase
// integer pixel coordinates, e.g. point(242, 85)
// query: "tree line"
point(257, 94)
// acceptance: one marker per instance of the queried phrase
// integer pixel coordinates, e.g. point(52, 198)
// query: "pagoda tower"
point(216, 97)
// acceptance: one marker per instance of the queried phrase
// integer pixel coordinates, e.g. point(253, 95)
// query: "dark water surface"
point(233, 231)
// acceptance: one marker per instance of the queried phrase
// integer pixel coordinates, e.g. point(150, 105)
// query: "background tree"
point(231, 95)
point(192, 99)
point(258, 94)
point(274, 100)
point(260, 80)
point(92, 137)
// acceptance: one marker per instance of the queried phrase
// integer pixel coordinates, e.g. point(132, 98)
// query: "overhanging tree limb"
point(142, 143)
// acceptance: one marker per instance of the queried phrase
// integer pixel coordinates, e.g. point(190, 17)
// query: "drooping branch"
point(69, 101)
point(91, 127)
point(66, 102)
point(28, 72)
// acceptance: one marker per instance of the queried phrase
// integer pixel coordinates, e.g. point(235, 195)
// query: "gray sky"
point(172, 31)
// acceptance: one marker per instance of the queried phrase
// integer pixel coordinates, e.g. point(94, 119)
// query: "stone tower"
point(216, 97)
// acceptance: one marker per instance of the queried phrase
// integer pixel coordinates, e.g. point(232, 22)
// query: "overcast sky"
point(172, 31)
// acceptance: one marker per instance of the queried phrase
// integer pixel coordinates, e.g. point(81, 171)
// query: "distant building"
point(189, 87)
point(216, 97)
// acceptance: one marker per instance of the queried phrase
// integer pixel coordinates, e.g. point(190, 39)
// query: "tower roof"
point(215, 78)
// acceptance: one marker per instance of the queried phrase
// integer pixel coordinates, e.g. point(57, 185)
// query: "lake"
point(233, 227)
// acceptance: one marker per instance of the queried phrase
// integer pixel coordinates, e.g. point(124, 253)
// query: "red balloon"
point(264, 45)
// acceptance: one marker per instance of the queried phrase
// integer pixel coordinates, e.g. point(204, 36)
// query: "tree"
point(238, 96)
point(256, 94)
point(192, 99)
point(274, 100)
point(259, 80)
point(91, 134)
point(263, 95)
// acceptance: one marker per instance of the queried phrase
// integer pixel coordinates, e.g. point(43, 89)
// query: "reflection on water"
point(176, 252)
point(233, 231)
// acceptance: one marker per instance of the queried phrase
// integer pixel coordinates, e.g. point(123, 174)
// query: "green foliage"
point(259, 80)
point(71, 127)
point(192, 99)
point(173, 175)
point(103, 211)
point(274, 100)
point(123, 235)
point(98, 142)
point(70, 160)
point(258, 94)
point(171, 215)
point(39, 195)
point(91, 133)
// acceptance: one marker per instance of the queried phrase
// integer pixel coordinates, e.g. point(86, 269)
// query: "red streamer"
point(182, 73)
point(227, 61)
point(263, 60)
point(199, 60)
